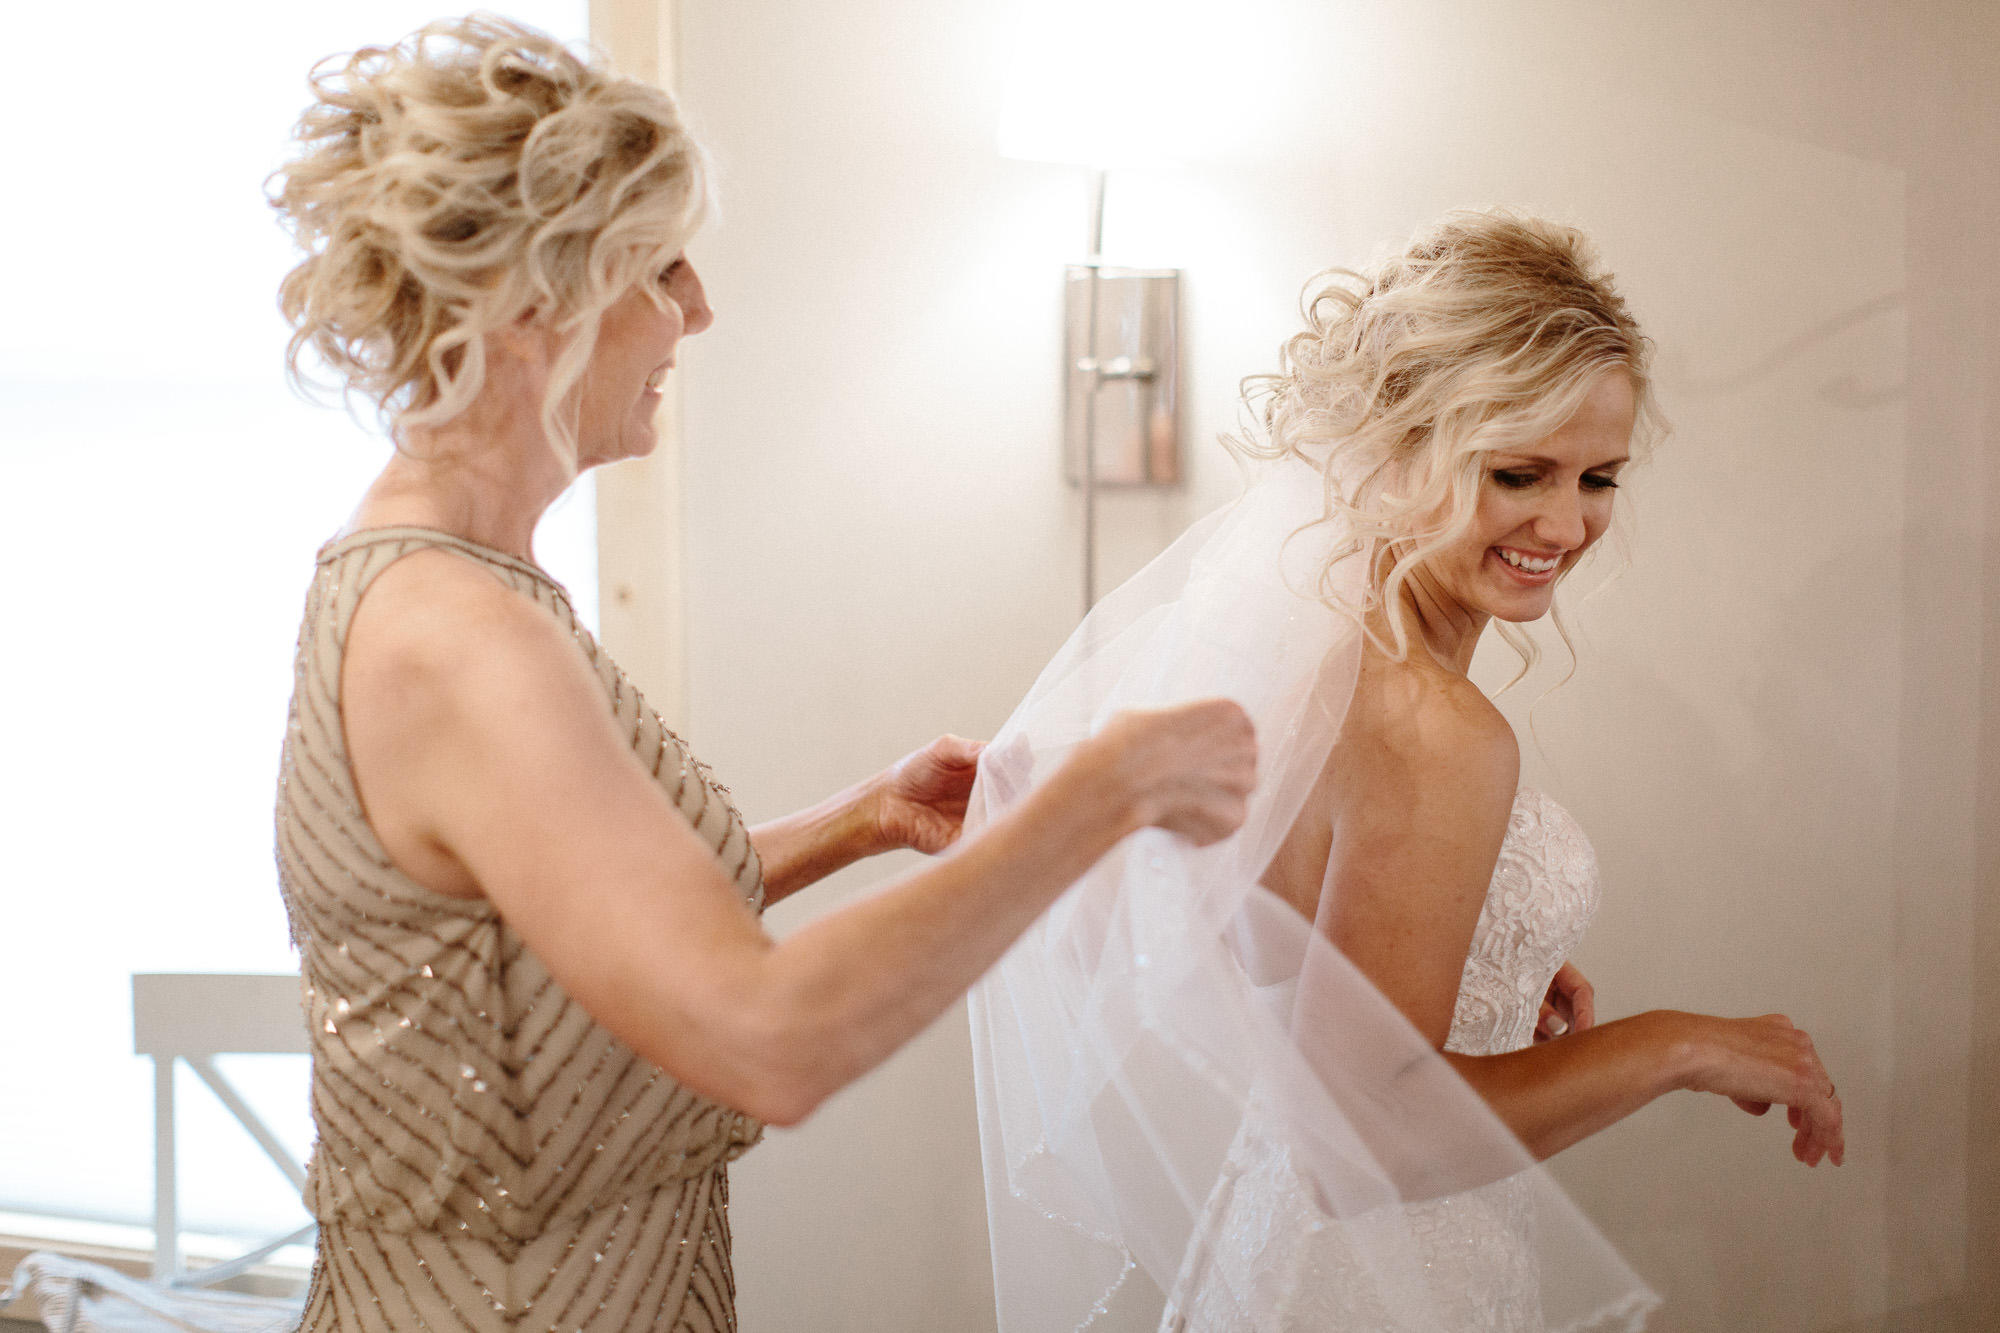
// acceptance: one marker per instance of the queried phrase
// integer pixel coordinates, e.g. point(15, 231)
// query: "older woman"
point(1344, 1091)
point(544, 1016)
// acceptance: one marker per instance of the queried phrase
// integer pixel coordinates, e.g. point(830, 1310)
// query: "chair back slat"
point(181, 1014)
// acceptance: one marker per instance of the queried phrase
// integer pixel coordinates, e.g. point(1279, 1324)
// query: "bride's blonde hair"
point(475, 174)
point(1485, 332)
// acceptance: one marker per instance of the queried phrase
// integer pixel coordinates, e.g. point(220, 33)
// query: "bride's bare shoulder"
point(1420, 719)
point(1424, 766)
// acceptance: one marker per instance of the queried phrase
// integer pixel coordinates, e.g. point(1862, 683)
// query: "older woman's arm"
point(918, 802)
point(490, 766)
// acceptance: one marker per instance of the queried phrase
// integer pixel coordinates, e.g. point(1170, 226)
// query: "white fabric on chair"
point(77, 1296)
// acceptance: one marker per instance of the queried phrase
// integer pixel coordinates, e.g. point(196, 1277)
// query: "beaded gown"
point(1283, 1266)
point(488, 1156)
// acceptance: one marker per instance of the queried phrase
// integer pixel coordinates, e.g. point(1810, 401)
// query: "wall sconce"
point(1121, 341)
point(1121, 382)
point(1079, 91)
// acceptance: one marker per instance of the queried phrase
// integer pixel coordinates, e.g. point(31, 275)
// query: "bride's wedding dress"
point(1273, 1245)
point(1188, 1098)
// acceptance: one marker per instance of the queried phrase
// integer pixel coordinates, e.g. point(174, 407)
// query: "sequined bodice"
point(484, 1146)
point(1280, 1260)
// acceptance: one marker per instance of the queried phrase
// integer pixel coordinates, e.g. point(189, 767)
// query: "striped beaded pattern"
point(488, 1156)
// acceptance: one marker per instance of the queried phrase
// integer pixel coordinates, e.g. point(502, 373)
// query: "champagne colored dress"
point(488, 1157)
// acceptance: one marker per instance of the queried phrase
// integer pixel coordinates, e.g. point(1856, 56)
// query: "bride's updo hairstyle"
point(1485, 332)
point(473, 174)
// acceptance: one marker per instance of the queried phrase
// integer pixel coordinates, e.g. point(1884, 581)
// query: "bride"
point(1301, 1080)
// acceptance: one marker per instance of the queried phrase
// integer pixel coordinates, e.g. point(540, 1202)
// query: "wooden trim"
point(641, 552)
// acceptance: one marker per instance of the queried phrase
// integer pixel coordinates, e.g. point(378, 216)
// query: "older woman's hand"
point(919, 801)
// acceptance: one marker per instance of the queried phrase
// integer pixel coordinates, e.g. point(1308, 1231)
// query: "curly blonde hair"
point(1485, 332)
point(475, 173)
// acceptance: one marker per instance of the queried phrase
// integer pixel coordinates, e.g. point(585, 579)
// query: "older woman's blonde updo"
point(474, 173)
point(1485, 332)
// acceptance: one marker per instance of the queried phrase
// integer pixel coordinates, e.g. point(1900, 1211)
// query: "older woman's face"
point(1541, 507)
point(636, 346)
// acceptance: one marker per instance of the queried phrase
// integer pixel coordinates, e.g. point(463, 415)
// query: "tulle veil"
point(1167, 1005)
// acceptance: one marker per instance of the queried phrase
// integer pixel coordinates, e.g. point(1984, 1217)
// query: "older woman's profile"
point(544, 1017)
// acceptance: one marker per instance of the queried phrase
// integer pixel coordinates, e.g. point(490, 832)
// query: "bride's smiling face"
point(1541, 506)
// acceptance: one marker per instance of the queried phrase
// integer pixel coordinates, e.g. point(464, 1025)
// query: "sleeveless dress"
point(1279, 1261)
point(488, 1156)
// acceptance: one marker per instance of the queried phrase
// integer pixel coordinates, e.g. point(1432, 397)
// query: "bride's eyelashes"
point(1521, 479)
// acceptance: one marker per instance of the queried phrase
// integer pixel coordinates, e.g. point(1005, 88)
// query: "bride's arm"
point(917, 802)
point(1416, 798)
point(1556, 1093)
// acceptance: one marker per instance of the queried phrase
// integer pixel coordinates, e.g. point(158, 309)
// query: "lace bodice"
point(1539, 903)
point(1281, 1265)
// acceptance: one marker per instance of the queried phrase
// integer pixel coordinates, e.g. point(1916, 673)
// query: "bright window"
point(166, 494)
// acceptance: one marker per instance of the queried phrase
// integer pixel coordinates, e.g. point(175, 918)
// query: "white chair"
point(195, 1017)
point(191, 1017)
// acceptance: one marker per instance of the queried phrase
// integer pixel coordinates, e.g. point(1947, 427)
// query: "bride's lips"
point(1546, 565)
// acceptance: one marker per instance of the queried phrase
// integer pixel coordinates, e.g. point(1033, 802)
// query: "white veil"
point(1168, 1008)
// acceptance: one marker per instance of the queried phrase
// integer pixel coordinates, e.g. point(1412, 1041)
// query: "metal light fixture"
point(1071, 98)
point(1121, 342)
point(1121, 384)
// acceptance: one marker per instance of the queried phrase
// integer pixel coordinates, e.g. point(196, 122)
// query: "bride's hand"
point(1188, 768)
point(1570, 1005)
point(1761, 1062)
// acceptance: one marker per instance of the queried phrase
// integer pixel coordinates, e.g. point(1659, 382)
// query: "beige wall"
point(1782, 735)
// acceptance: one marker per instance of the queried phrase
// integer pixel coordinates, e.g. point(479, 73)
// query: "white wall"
point(1776, 733)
